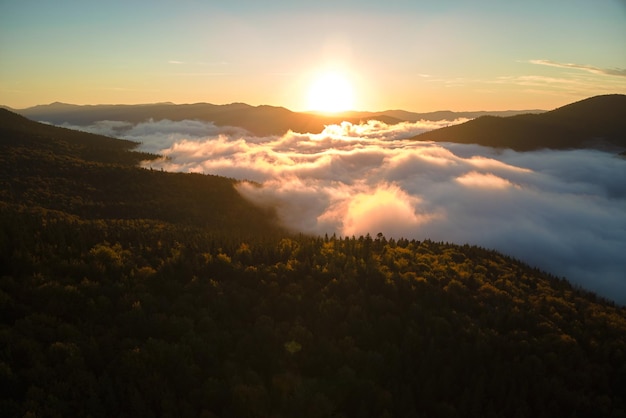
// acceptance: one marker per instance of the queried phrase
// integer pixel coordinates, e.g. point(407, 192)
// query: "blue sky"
point(414, 55)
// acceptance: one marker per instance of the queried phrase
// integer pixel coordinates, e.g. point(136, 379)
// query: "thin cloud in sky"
point(212, 64)
point(620, 72)
point(562, 211)
point(200, 74)
point(540, 80)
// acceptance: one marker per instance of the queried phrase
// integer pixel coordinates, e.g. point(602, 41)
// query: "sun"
point(331, 92)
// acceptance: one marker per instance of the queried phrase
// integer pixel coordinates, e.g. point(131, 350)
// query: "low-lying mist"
point(562, 211)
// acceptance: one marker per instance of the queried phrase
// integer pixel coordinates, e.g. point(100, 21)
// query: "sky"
point(561, 211)
point(396, 54)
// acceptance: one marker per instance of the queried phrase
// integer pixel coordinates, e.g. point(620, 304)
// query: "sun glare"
point(331, 92)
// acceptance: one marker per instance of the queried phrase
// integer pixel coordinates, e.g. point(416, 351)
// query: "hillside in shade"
point(95, 177)
point(129, 292)
point(598, 121)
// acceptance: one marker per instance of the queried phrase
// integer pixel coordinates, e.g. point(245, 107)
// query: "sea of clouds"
point(562, 211)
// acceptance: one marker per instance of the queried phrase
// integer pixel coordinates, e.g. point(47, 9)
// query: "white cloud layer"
point(563, 211)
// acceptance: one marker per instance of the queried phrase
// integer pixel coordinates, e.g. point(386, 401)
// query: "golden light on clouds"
point(378, 208)
point(373, 177)
point(483, 180)
point(330, 92)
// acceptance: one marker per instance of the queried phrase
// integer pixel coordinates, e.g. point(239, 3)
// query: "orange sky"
point(413, 55)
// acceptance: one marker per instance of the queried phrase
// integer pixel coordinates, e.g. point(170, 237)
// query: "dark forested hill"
point(132, 293)
point(96, 177)
point(597, 121)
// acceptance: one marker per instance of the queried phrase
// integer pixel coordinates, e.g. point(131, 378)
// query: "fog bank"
point(562, 211)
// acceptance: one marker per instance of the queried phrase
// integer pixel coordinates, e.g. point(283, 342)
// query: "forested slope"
point(96, 177)
point(118, 302)
point(598, 121)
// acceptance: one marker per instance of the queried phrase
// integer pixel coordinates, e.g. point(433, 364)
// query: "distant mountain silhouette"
point(450, 115)
point(598, 121)
point(259, 120)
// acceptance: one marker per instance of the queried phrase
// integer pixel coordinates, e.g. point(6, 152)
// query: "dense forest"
point(130, 292)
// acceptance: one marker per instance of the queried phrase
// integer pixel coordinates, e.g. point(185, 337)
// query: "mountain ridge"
point(43, 165)
point(262, 120)
point(598, 121)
